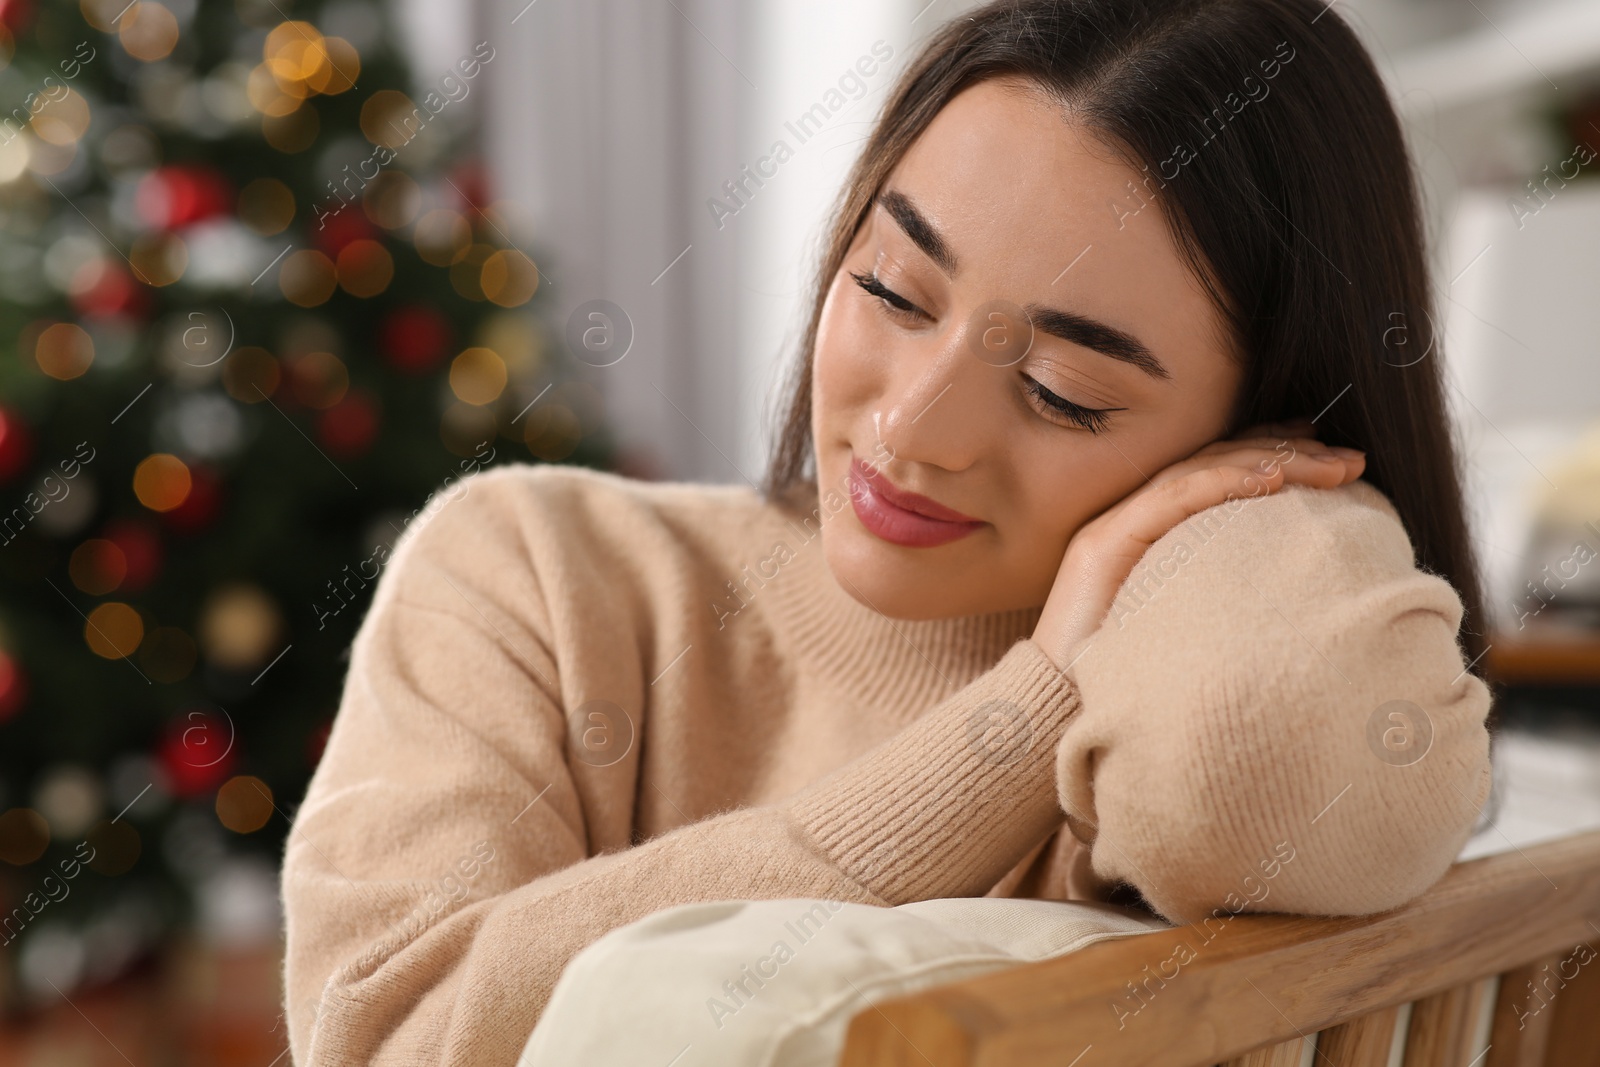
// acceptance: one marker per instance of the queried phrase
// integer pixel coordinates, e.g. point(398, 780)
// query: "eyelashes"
point(1050, 405)
point(892, 300)
point(1092, 419)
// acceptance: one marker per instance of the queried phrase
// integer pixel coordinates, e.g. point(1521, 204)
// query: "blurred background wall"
point(273, 277)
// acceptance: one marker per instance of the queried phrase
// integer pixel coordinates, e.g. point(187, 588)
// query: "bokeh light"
point(442, 237)
point(49, 159)
point(341, 70)
point(102, 14)
point(148, 31)
point(113, 630)
point(162, 481)
point(63, 119)
point(478, 376)
point(244, 804)
point(552, 432)
point(392, 199)
point(389, 118)
point(14, 158)
point(516, 337)
point(24, 833)
point(509, 278)
point(466, 273)
point(318, 379)
point(13, 685)
point(98, 566)
point(307, 278)
point(267, 96)
point(295, 55)
point(64, 351)
point(465, 427)
point(293, 132)
point(251, 374)
point(70, 798)
point(158, 258)
point(365, 268)
point(239, 627)
point(266, 205)
point(349, 428)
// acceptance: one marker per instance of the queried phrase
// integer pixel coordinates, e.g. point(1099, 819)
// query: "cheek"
point(844, 365)
point(1056, 498)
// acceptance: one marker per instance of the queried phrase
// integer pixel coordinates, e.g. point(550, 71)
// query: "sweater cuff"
point(948, 805)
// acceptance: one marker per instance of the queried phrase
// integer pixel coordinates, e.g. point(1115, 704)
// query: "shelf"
point(1545, 656)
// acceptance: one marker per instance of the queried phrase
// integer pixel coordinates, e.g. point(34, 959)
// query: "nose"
point(939, 404)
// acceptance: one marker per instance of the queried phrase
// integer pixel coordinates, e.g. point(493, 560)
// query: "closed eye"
point(893, 304)
point(1059, 407)
point(1053, 407)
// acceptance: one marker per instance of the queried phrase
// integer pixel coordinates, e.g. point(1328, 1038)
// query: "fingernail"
point(1346, 453)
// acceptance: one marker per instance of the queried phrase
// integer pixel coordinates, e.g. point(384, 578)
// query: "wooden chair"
point(1503, 952)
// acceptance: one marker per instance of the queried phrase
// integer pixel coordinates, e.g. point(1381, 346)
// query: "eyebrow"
point(1095, 335)
point(1067, 325)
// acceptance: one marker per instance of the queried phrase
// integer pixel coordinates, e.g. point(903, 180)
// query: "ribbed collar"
point(901, 666)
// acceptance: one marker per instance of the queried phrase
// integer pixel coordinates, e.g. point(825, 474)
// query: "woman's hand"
point(1101, 555)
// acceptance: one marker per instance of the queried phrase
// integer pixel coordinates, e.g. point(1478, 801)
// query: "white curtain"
point(617, 122)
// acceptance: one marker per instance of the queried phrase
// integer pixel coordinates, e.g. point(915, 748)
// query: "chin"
point(879, 576)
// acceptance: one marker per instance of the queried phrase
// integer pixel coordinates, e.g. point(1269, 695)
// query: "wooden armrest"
point(1200, 995)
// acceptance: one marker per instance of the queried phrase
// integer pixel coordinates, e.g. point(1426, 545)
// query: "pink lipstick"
point(903, 518)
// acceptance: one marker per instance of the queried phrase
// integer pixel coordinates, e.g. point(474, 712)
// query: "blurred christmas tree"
point(255, 306)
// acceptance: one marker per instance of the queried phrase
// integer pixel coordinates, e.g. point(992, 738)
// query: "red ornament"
point(181, 193)
point(338, 230)
point(16, 444)
point(414, 338)
point(13, 686)
point(15, 14)
point(198, 752)
point(141, 547)
point(349, 427)
point(104, 287)
point(202, 503)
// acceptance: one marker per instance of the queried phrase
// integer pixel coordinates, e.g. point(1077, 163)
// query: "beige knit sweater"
point(577, 699)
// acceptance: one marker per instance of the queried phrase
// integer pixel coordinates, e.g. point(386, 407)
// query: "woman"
point(1097, 271)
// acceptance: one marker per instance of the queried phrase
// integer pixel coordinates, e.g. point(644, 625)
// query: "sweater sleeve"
point(438, 875)
point(1276, 716)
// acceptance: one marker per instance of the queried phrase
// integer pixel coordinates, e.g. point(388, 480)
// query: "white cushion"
point(663, 990)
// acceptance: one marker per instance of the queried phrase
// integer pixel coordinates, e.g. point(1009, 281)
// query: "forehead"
point(1020, 190)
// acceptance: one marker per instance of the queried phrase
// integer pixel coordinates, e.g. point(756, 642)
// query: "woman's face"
point(1003, 201)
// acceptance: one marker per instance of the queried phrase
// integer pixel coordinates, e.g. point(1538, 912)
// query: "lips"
point(903, 518)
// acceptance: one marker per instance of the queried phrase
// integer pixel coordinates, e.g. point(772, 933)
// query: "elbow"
point(1391, 847)
point(1396, 815)
point(1321, 823)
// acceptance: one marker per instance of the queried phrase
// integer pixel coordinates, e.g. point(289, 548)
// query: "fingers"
point(1259, 461)
point(1307, 460)
point(1296, 435)
point(1150, 515)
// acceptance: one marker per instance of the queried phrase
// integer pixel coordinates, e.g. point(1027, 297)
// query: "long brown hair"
point(1297, 208)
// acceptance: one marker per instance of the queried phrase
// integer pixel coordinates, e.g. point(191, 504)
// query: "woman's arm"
point(439, 874)
point(1277, 716)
